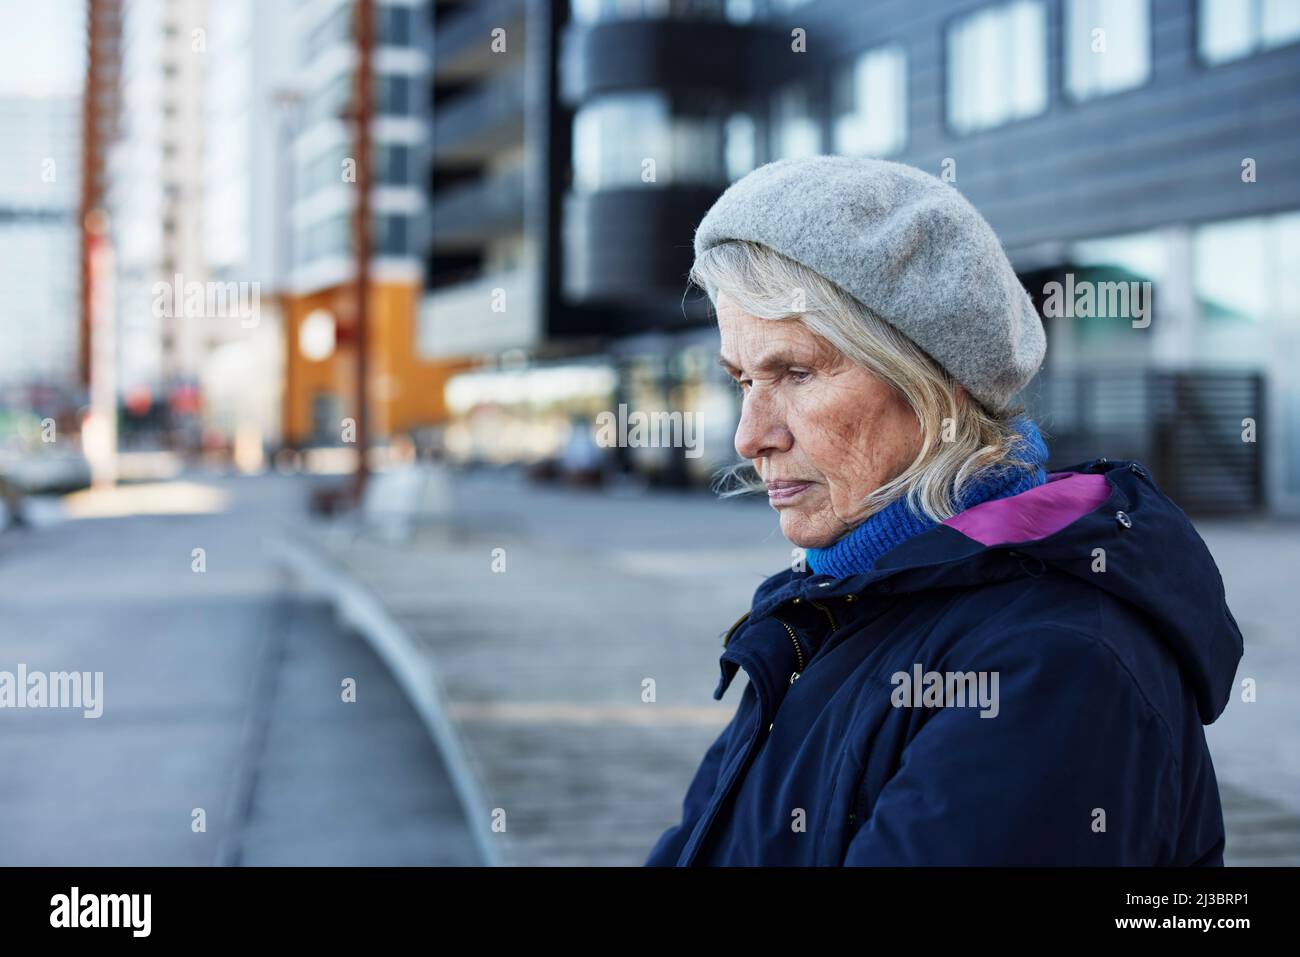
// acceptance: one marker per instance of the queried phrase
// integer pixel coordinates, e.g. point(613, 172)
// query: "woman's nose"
point(762, 429)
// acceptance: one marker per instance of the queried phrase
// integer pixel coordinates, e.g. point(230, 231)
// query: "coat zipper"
point(798, 650)
point(726, 791)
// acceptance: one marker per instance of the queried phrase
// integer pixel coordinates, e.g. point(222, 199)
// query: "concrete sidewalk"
point(531, 628)
point(221, 692)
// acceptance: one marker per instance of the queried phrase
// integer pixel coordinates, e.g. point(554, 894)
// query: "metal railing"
point(1190, 427)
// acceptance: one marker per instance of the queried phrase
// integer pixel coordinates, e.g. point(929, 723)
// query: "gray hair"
point(769, 285)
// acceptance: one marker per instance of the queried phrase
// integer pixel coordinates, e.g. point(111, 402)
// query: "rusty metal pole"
point(90, 175)
point(362, 113)
point(288, 103)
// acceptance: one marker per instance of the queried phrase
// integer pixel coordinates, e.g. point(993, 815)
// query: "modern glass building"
point(405, 388)
point(1108, 142)
point(39, 185)
point(155, 191)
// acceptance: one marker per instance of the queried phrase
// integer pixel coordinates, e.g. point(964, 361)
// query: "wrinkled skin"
point(820, 430)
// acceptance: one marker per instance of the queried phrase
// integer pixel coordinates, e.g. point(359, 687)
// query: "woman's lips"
point(780, 493)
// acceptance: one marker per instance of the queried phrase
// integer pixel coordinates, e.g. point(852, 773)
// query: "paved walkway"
point(221, 691)
point(541, 663)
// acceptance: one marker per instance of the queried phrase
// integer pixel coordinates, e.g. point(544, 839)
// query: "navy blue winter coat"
point(1099, 613)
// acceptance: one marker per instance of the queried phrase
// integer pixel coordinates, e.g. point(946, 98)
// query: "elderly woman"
point(979, 662)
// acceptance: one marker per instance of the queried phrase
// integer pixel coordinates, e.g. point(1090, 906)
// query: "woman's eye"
point(800, 375)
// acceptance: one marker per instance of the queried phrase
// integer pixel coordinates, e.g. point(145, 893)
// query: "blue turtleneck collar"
point(859, 548)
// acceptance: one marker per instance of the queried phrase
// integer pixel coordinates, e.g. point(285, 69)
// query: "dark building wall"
point(1167, 151)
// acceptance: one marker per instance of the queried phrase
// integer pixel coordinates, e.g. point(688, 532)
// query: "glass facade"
point(997, 66)
point(1107, 46)
point(392, 92)
point(1247, 284)
point(526, 414)
point(1226, 301)
point(869, 103)
point(320, 171)
point(329, 101)
point(392, 235)
point(1232, 29)
point(393, 26)
point(739, 11)
point(624, 139)
point(392, 167)
point(742, 145)
point(795, 130)
point(328, 238)
point(325, 233)
point(392, 29)
point(1246, 277)
point(334, 30)
point(1222, 312)
point(1101, 332)
point(393, 164)
point(332, 237)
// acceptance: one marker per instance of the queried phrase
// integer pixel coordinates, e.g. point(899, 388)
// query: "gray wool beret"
point(907, 246)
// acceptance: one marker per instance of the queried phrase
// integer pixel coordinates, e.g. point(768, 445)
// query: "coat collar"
point(942, 556)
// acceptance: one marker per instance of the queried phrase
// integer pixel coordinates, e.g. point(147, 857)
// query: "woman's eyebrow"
point(764, 363)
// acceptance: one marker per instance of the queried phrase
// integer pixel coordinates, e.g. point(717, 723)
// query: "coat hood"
point(1103, 522)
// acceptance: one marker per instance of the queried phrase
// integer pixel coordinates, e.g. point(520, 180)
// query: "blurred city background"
point(241, 242)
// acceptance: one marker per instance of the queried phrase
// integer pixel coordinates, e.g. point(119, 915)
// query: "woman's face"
point(821, 431)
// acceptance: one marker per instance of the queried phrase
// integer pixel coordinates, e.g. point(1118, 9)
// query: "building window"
point(393, 94)
point(321, 171)
point(326, 413)
point(328, 238)
point(741, 11)
point(1107, 46)
point(742, 145)
point(392, 235)
point(793, 125)
point(624, 139)
point(869, 103)
point(392, 164)
point(997, 66)
point(594, 11)
point(1246, 276)
point(1116, 267)
point(737, 11)
point(1232, 29)
point(393, 26)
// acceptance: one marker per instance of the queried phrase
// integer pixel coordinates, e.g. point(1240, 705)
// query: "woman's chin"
point(802, 532)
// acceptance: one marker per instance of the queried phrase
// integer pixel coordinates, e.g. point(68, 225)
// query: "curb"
point(416, 673)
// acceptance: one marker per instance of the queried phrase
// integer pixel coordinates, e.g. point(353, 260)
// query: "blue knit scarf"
point(859, 548)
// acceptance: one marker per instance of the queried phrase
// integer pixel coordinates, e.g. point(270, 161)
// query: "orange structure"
point(406, 392)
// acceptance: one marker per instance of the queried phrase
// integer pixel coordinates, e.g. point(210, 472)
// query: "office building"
point(1106, 142)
